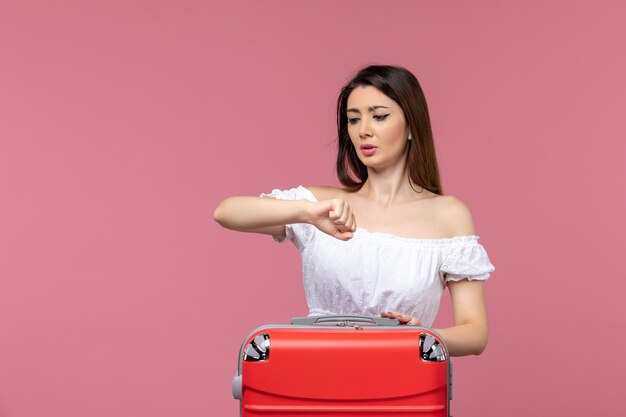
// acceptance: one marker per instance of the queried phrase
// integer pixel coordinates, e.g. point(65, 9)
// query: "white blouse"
point(375, 272)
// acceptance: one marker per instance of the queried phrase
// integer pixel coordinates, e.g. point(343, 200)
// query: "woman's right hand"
point(333, 217)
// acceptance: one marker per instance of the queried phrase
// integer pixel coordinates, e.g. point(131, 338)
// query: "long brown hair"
point(402, 87)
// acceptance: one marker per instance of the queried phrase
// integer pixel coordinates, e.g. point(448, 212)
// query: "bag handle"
point(330, 320)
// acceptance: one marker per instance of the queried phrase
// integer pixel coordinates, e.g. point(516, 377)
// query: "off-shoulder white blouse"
point(375, 272)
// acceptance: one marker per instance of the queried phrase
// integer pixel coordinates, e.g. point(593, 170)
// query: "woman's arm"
point(260, 215)
point(470, 332)
point(269, 215)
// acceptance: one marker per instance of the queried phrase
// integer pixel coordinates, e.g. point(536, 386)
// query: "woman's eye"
point(380, 117)
point(352, 120)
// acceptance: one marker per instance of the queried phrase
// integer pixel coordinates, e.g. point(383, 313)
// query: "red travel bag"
point(335, 366)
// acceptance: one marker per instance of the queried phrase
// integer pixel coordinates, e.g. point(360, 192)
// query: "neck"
point(389, 186)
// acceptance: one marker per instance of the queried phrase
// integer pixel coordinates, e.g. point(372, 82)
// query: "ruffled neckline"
point(437, 241)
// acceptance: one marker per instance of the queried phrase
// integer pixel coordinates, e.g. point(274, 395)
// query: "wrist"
point(305, 214)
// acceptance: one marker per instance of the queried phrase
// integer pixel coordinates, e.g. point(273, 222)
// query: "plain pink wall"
point(124, 123)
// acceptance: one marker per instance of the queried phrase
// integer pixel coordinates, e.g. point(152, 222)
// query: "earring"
point(410, 138)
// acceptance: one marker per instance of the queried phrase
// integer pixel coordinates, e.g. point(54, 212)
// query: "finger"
point(341, 215)
point(344, 223)
point(342, 235)
point(353, 227)
point(414, 322)
point(347, 235)
point(335, 210)
point(346, 211)
point(393, 315)
point(410, 320)
point(403, 318)
point(350, 222)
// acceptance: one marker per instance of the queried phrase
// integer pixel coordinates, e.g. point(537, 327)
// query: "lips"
point(368, 150)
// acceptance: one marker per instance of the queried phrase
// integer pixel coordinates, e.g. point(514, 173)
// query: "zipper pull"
point(353, 324)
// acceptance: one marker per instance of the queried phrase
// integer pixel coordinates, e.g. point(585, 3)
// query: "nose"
point(364, 129)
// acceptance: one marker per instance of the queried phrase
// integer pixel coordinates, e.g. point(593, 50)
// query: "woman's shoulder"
point(454, 214)
point(326, 192)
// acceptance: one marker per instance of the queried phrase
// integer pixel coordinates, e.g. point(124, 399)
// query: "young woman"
point(389, 241)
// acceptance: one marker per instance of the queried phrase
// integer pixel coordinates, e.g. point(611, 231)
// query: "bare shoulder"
point(326, 192)
point(455, 215)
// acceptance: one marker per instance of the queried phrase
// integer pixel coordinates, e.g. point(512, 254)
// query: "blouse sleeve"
point(299, 233)
point(466, 260)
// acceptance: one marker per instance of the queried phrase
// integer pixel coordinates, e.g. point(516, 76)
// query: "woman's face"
point(377, 127)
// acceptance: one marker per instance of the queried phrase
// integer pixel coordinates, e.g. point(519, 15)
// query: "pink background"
point(124, 123)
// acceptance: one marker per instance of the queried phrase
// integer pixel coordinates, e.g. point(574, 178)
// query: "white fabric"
point(375, 272)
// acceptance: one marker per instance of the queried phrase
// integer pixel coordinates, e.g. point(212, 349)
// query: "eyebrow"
point(371, 108)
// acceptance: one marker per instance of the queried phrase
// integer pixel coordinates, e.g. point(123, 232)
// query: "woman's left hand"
point(402, 318)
